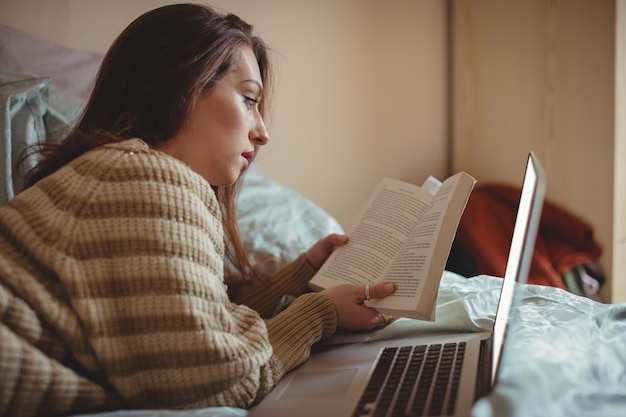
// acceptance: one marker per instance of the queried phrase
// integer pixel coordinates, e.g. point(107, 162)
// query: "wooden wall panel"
point(539, 75)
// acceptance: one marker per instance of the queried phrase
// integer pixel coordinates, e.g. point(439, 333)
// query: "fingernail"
point(389, 288)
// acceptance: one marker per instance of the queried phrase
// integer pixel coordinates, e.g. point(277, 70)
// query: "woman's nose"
point(259, 135)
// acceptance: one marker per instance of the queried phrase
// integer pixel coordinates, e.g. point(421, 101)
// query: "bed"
point(565, 357)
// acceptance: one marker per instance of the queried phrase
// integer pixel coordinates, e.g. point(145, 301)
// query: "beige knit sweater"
point(113, 296)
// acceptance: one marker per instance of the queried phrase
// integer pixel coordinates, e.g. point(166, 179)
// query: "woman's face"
point(219, 137)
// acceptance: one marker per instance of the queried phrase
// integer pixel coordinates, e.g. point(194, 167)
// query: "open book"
point(403, 234)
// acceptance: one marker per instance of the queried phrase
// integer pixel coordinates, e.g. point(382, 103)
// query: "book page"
point(411, 263)
point(417, 269)
point(384, 225)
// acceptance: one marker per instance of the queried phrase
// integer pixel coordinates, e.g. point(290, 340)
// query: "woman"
point(112, 258)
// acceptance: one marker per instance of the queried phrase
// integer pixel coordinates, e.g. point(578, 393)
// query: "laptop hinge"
point(483, 376)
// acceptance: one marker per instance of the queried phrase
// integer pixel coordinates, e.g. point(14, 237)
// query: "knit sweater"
point(112, 295)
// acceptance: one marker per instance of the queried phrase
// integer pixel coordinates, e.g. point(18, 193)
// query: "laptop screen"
point(521, 251)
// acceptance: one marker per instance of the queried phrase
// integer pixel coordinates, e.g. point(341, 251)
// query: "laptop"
point(393, 377)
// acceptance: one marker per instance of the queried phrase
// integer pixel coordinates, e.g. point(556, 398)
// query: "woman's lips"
point(247, 158)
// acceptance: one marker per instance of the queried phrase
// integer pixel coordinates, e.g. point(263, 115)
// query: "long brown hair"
point(148, 82)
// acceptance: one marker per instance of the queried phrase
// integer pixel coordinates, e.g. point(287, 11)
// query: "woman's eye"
point(251, 101)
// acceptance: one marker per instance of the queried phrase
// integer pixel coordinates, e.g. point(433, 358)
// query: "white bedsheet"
point(565, 355)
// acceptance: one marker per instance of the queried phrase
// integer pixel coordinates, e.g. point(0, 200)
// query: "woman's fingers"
point(322, 249)
point(352, 311)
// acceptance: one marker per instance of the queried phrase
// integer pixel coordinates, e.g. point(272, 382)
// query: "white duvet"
point(565, 355)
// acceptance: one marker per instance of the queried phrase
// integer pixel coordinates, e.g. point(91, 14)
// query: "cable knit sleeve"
point(265, 293)
point(143, 268)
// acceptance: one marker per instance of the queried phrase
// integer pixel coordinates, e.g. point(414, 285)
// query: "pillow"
point(25, 119)
point(70, 70)
point(277, 224)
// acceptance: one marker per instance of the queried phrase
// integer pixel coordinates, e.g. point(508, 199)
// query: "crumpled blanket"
point(574, 368)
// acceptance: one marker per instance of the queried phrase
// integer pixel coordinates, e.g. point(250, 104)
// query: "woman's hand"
point(352, 312)
point(349, 300)
point(320, 251)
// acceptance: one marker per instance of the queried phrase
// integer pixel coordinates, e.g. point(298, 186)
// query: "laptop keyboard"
point(414, 381)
